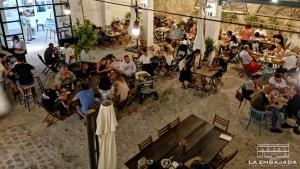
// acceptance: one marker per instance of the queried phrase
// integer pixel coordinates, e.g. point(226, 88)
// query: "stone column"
point(147, 18)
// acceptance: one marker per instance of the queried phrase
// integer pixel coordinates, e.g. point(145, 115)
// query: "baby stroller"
point(145, 85)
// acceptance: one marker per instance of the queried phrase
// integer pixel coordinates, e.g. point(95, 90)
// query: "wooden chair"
point(47, 68)
point(174, 123)
point(223, 122)
point(219, 162)
point(145, 143)
point(51, 116)
point(163, 130)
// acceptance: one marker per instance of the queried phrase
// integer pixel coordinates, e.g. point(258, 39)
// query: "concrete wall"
point(99, 13)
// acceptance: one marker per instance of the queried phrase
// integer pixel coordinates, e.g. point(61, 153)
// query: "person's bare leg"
point(20, 89)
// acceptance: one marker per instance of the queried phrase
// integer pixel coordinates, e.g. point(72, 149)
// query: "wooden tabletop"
point(7, 54)
point(205, 71)
point(202, 140)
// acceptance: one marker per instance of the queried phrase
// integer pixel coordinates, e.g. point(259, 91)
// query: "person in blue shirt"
point(85, 97)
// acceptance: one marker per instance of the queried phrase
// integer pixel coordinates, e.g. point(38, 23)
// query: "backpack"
point(50, 99)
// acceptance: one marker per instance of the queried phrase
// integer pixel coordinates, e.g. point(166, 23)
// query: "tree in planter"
point(209, 47)
point(86, 38)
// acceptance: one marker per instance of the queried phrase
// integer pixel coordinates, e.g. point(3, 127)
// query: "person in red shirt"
point(245, 35)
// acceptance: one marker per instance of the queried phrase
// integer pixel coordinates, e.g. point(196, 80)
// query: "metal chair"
point(221, 121)
point(175, 122)
point(27, 95)
point(145, 143)
point(259, 116)
point(163, 130)
point(47, 68)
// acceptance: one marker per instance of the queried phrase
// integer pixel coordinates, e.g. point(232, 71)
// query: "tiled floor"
point(25, 142)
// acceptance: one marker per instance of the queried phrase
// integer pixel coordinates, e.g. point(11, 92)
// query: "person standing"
point(19, 48)
point(26, 25)
point(245, 35)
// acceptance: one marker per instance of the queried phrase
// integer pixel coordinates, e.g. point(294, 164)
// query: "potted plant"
point(209, 47)
point(86, 38)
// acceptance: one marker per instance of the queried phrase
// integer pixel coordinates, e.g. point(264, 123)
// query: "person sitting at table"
point(232, 53)
point(145, 60)
point(64, 78)
point(292, 108)
point(127, 67)
point(25, 76)
point(277, 81)
point(69, 53)
point(185, 67)
point(278, 51)
point(85, 97)
point(185, 41)
point(106, 89)
point(245, 34)
point(102, 67)
point(121, 89)
point(193, 30)
point(18, 48)
point(277, 37)
point(233, 41)
point(248, 61)
point(51, 56)
point(228, 36)
point(251, 86)
point(289, 62)
point(113, 64)
point(180, 32)
point(261, 102)
point(189, 24)
point(3, 70)
point(261, 32)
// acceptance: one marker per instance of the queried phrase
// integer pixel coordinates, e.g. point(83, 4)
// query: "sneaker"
point(276, 130)
point(286, 125)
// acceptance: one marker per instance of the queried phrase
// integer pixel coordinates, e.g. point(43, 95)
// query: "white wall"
point(97, 12)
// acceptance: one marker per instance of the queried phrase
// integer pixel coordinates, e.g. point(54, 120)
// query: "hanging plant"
point(229, 16)
point(86, 37)
point(128, 16)
point(273, 22)
point(251, 19)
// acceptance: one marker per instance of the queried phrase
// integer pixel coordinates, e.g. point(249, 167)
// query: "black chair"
point(39, 25)
point(46, 70)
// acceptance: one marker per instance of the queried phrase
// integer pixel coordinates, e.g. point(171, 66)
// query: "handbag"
point(239, 96)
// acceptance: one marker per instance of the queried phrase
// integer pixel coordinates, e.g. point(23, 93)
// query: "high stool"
point(27, 96)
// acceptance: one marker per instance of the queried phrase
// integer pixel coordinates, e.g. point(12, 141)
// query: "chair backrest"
point(175, 122)
point(41, 59)
point(145, 143)
point(50, 112)
point(257, 115)
point(163, 130)
point(220, 120)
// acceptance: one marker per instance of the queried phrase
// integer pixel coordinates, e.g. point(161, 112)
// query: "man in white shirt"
point(19, 47)
point(262, 32)
point(289, 62)
point(127, 67)
point(277, 81)
point(146, 62)
point(69, 53)
point(247, 60)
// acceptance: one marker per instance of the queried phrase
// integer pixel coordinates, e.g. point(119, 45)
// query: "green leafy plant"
point(272, 21)
point(86, 37)
point(226, 16)
point(209, 46)
point(251, 19)
point(128, 16)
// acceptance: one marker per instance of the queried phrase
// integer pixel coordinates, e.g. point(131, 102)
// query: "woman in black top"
point(102, 67)
point(186, 72)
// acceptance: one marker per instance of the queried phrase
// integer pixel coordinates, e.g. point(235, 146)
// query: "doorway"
point(37, 22)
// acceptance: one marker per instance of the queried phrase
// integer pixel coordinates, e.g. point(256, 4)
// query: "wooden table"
point(205, 71)
point(202, 140)
point(7, 54)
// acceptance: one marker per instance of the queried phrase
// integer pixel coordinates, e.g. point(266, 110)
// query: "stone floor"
point(26, 142)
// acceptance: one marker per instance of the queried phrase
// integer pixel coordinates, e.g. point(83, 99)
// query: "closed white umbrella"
point(199, 39)
point(106, 127)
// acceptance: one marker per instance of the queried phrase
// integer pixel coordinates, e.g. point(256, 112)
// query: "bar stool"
point(27, 96)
